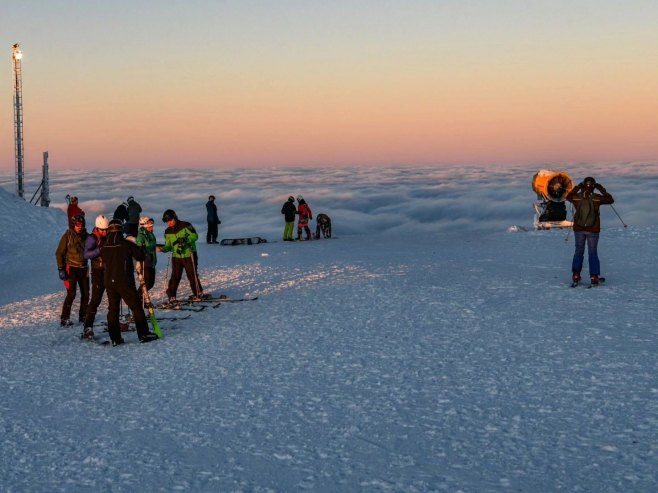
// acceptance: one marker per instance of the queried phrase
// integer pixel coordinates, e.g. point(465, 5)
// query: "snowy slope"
point(446, 360)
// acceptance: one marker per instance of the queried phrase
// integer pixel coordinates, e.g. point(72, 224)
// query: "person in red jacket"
point(73, 210)
point(587, 225)
point(305, 215)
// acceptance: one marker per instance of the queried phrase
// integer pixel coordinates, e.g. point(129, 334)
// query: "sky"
point(307, 83)
point(441, 351)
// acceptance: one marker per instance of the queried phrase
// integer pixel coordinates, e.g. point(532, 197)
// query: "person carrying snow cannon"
point(93, 244)
point(587, 225)
point(72, 268)
point(305, 215)
point(323, 225)
point(146, 241)
point(118, 254)
point(289, 211)
point(180, 239)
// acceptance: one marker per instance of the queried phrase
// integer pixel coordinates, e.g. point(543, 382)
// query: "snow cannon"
point(551, 186)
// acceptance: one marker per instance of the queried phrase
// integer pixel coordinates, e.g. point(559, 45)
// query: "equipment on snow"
point(147, 300)
point(254, 240)
point(551, 188)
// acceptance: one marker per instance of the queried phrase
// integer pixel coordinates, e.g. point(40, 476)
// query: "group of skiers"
point(112, 249)
point(303, 211)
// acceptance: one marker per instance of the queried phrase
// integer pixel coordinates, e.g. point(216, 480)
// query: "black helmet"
point(589, 182)
point(291, 199)
point(169, 215)
point(115, 226)
point(78, 219)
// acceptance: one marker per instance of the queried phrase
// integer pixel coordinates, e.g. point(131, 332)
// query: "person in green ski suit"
point(180, 237)
point(146, 241)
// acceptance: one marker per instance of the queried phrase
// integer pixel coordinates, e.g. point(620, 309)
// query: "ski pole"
point(164, 280)
point(622, 221)
point(569, 230)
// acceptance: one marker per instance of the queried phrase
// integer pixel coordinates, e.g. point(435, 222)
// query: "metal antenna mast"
point(17, 55)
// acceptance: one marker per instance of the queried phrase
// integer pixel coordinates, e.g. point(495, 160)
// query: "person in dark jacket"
point(134, 211)
point(72, 268)
point(580, 197)
point(213, 221)
point(323, 226)
point(118, 254)
point(93, 245)
point(289, 211)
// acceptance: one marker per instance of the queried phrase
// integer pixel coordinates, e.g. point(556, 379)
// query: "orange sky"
point(145, 85)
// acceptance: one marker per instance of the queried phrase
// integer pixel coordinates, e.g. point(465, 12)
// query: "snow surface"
point(421, 350)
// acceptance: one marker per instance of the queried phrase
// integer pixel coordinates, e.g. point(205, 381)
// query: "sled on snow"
point(254, 240)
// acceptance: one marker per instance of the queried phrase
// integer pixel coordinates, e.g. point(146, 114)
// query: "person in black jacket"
point(289, 210)
point(118, 254)
point(213, 221)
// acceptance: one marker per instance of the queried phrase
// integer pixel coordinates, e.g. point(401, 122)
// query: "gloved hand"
point(599, 187)
point(62, 274)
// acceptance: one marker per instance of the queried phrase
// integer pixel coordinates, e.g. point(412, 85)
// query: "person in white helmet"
point(147, 242)
point(305, 215)
point(93, 245)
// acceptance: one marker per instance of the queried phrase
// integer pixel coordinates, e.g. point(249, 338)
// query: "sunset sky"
point(201, 83)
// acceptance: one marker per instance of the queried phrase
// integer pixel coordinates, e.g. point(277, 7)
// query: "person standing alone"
point(587, 226)
point(213, 220)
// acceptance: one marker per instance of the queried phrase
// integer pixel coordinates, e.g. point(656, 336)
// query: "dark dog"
point(323, 226)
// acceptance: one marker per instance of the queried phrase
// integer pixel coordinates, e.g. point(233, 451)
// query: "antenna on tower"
point(17, 55)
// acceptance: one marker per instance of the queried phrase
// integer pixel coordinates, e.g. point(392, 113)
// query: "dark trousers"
point(304, 227)
point(211, 236)
point(77, 276)
point(126, 292)
point(592, 240)
point(178, 265)
point(97, 290)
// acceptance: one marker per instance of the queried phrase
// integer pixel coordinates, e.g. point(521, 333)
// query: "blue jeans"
point(592, 240)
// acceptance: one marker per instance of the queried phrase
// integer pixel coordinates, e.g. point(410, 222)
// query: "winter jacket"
point(180, 239)
point(93, 245)
point(304, 212)
point(211, 216)
point(289, 210)
point(121, 212)
point(134, 210)
point(146, 241)
point(576, 196)
point(71, 249)
point(118, 254)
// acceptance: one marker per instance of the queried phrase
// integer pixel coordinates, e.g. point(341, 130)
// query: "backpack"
point(585, 215)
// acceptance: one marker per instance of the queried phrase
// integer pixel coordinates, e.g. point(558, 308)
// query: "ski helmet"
point(291, 199)
point(589, 182)
point(169, 215)
point(130, 199)
point(78, 219)
point(115, 226)
point(299, 198)
point(145, 221)
point(102, 222)
point(212, 197)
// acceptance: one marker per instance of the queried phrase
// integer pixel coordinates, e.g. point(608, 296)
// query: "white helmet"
point(102, 222)
point(299, 198)
point(145, 221)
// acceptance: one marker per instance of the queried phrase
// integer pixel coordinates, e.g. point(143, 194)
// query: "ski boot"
point(148, 337)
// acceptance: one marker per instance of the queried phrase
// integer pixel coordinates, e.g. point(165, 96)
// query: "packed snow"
point(432, 345)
